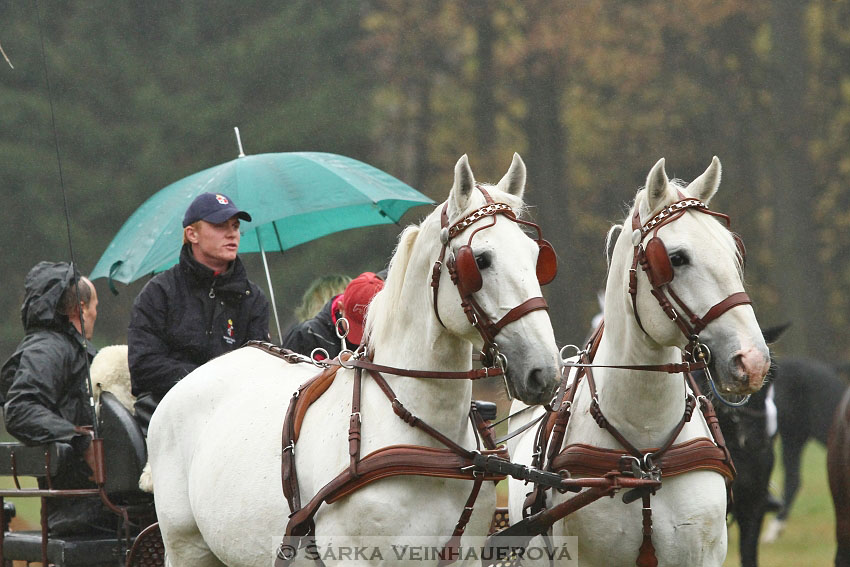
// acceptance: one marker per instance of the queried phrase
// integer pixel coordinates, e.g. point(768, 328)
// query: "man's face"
point(215, 245)
point(89, 312)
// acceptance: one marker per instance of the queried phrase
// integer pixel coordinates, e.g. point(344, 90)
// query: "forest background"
point(591, 93)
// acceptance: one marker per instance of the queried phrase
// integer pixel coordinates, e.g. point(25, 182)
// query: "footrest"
point(68, 551)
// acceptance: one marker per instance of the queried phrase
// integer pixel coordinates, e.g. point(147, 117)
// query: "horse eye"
point(483, 260)
point(678, 259)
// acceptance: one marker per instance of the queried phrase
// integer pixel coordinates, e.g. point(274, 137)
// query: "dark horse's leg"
point(754, 461)
point(838, 466)
point(793, 442)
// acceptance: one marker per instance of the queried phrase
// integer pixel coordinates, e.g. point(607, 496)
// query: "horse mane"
point(385, 301)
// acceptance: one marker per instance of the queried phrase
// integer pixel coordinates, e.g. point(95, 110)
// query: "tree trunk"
point(546, 160)
point(796, 270)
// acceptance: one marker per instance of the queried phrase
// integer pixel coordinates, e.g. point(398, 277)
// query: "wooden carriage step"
point(68, 551)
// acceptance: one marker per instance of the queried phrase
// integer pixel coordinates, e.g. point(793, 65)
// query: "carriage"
point(121, 456)
point(421, 399)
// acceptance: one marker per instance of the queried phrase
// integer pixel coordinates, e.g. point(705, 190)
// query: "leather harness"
point(452, 462)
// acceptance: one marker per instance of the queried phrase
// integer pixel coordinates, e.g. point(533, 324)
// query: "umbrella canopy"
point(293, 197)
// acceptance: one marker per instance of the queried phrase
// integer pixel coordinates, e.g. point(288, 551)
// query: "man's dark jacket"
point(45, 388)
point(318, 332)
point(187, 316)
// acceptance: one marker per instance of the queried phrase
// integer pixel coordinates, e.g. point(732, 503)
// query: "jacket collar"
point(233, 279)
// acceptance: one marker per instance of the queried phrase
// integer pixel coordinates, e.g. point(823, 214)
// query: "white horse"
point(689, 510)
point(215, 440)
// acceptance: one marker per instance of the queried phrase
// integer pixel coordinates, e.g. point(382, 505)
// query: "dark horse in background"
point(745, 430)
point(807, 393)
point(838, 466)
point(749, 439)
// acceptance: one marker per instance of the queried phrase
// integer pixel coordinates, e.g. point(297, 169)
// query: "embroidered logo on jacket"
point(228, 333)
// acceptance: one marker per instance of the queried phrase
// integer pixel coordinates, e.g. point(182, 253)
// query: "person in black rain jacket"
point(44, 386)
point(197, 310)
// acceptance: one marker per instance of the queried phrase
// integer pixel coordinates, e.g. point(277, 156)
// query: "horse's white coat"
point(689, 511)
point(214, 441)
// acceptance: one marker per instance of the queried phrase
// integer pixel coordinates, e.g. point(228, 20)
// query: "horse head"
point(476, 267)
point(686, 285)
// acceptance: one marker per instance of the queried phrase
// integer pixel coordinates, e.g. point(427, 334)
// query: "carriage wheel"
point(148, 549)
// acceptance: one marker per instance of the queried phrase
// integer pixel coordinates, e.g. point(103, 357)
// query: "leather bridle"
point(653, 259)
point(466, 276)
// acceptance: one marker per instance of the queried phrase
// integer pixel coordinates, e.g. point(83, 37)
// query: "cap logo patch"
point(222, 199)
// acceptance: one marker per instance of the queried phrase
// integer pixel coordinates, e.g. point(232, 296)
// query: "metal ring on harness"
point(565, 358)
point(317, 361)
point(349, 363)
point(342, 327)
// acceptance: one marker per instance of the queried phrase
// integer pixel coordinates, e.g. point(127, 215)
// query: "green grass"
point(809, 536)
point(27, 509)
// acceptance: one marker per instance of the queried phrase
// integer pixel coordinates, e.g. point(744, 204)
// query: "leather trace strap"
point(467, 279)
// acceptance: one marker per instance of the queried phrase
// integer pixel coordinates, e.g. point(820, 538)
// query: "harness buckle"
point(290, 448)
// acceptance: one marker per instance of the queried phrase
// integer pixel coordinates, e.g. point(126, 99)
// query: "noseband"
point(466, 276)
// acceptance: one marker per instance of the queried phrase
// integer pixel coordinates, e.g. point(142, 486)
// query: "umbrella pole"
point(271, 288)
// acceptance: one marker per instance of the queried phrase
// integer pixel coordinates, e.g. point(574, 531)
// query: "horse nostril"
point(751, 367)
point(540, 380)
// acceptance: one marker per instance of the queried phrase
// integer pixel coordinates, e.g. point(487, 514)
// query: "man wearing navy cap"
point(197, 310)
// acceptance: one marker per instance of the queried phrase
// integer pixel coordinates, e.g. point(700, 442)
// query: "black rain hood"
point(44, 286)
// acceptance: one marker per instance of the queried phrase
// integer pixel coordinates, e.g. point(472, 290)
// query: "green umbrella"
point(293, 197)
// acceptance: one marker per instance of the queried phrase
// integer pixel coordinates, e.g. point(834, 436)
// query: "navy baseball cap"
point(213, 208)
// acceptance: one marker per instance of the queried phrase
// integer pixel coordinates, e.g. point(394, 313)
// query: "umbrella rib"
point(277, 234)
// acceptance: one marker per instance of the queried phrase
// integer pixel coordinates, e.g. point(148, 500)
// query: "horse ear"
point(463, 185)
point(657, 186)
point(514, 180)
point(705, 186)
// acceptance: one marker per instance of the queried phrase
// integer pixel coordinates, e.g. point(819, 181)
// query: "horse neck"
point(643, 405)
point(416, 341)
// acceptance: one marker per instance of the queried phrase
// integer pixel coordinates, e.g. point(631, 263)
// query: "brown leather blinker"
point(468, 275)
point(660, 270)
point(547, 262)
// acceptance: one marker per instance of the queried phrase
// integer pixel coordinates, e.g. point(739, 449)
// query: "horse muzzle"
point(747, 370)
point(537, 386)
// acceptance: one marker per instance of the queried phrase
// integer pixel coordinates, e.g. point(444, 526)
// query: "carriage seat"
point(70, 551)
point(124, 448)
